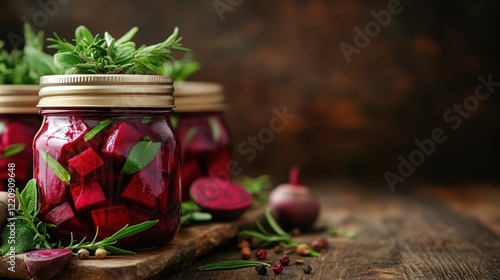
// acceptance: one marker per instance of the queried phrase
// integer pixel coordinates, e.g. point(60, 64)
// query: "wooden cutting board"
point(189, 244)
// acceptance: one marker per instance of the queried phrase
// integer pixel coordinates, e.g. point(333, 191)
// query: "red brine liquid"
point(102, 171)
point(205, 147)
point(16, 152)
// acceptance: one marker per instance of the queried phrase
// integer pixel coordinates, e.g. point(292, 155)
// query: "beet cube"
point(137, 215)
point(162, 162)
point(86, 162)
point(146, 190)
point(51, 189)
point(60, 214)
point(86, 194)
point(121, 140)
point(110, 219)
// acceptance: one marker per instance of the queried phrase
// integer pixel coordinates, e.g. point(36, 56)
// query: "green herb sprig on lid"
point(91, 54)
point(26, 66)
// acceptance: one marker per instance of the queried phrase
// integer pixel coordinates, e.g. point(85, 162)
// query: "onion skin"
point(294, 205)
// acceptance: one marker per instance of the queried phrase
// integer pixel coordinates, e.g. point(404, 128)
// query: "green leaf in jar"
point(2, 127)
point(189, 136)
point(141, 155)
point(93, 132)
point(12, 150)
point(174, 120)
point(58, 169)
point(215, 128)
point(146, 120)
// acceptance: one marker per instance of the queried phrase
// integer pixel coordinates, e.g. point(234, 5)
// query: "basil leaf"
point(30, 196)
point(189, 136)
point(12, 150)
point(141, 155)
point(146, 120)
point(93, 132)
point(58, 169)
point(174, 120)
point(215, 128)
point(24, 240)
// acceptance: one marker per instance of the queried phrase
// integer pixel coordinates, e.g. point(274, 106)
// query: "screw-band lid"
point(19, 99)
point(199, 97)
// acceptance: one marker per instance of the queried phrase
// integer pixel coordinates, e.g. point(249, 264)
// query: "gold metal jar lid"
point(199, 97)
point(106, 91)
point(19, 99)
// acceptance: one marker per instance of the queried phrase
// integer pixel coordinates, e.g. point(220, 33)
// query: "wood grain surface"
point(431, 232)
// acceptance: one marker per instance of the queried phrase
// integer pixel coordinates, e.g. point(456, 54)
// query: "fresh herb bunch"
point(258, 187)
point(28, 65)
point(91, 54)
point(181, 69)
point(32, 233)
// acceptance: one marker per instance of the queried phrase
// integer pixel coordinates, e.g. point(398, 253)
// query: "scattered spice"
point(277, 268)
point(243, 244)
point(261, 254)
point(316, 245)
point(246, 253)
point(261, 269)
point(296, 231)
point(307, 269)
point(303, 250)
point(278, 249)
point(299, 261)
point(324, 243)
point(83, 254)
point(285, 260)
point(100, 253)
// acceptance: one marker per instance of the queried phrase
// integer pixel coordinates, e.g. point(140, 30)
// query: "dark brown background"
point(353, 119)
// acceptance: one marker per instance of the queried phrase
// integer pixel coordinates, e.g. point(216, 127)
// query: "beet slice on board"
point(46, 263)
point(224, 199)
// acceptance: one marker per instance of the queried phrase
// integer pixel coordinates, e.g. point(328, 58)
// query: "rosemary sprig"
point(91, 54)
point(257, 187)
point(231, 265)
point(108, 242)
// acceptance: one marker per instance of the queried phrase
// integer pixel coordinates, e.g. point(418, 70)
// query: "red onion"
point(293, 204)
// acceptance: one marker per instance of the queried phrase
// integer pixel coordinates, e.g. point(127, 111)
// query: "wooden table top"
point(430, 232)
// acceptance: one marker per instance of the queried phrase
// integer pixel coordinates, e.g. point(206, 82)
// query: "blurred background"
point(359, 100)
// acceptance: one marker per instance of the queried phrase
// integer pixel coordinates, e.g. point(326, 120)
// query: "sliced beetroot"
point(87, 194)
point(218, 164)
point(120, 140)
point(190, 171)
point(224, 199)
point(110, 219)
point(86, 162)
point(46, 263)
point(146, 190)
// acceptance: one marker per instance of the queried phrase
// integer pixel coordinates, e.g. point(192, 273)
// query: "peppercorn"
point(261, 254)
point(316, 245)
point(307, 269)
point(324, 243)
point(261, 269)
point(285, 260)
point(303, 250)
point(83, 254)
point(100, 253)
point(246, 253)
point(243, 244)
point(277, 268)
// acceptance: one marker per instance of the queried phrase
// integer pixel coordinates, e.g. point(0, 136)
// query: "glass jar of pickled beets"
point(107, 156)
point(19, 122)
point(203, 133)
